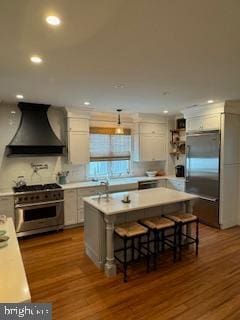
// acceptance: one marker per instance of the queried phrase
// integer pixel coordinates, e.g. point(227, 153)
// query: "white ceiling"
point(187, 48)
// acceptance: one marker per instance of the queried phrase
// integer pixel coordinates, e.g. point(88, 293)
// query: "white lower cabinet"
point(7, 206)
point(70, 207)
point(176, 185)
point(162, 183)
point(74, 206)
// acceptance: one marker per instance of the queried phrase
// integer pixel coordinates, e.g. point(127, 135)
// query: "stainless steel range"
point(38, 208)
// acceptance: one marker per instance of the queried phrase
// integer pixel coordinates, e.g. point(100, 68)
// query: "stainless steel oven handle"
point(37, 204)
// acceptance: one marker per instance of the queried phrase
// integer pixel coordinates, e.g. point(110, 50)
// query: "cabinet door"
point(87, 192)
point(78, 148)
point(161, 183)
point(152, 128)
point(152, 147)
point(81, 215)
point(78, 125)
point(194, 124)
point(176, 185)
point(203, 123)
point(211, 122)
point(7, 206)
point(70, 207)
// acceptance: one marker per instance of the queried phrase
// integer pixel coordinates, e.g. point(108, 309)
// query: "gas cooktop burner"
point(37, 187)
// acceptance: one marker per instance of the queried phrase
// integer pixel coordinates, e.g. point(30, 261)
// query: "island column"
point(110, 266)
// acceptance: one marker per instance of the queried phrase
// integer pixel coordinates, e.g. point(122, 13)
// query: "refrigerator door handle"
point(208, 199)
point(187, 163)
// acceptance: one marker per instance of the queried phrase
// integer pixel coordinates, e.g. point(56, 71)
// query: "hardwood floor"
point(204, 287)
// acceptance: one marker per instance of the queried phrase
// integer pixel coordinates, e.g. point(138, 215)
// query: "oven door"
point(33, 217)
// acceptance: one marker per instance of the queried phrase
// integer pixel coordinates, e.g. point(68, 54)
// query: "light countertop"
point(13, 281)
point(112, 182)
point(118, 181)
point(140, 199)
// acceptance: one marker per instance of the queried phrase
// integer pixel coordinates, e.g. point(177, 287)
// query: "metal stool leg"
point(180, 240)
point(163, 240)
point(155, 248)
point(132, 249)
point(197, 236)
point(125, 259)
point(175, 243)
point(148, 248)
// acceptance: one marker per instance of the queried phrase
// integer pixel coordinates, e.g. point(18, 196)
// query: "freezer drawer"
point(207, 211)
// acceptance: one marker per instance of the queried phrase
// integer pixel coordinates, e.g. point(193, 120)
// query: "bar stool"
point(131, 231)
point(185, 219)
point(158, 226)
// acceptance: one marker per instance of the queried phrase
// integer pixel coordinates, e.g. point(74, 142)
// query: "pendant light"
point(119, 129)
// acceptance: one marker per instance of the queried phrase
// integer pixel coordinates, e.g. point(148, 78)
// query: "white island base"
point(101, 216)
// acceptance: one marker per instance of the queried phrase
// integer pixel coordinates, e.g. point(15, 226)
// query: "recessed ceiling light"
point(13, 112)
point(19, 96)
point(210, 101)
point(53, 20)
point(36, 59)
point(165, 111)
point(87, 103)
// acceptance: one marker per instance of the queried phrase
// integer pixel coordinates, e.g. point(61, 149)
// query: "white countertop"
point(112, 182)
point(13, 282)
point(140, 199)
point(118, 181)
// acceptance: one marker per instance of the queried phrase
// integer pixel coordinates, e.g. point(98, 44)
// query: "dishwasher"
point(148, 184)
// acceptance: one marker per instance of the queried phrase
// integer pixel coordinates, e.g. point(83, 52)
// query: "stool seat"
point(182, 217)
point(130, 229)
point(158, 223)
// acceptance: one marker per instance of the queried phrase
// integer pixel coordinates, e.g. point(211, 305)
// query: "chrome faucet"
point(106, 184)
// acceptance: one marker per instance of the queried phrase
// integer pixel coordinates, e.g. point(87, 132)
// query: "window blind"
point(109, 147)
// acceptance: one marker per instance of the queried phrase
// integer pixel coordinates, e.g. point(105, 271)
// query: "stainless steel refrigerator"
point(202, 174)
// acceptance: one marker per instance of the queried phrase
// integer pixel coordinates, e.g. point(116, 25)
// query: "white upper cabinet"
point(203, 123)
point(152, 128)
point(78, 124)
point(150, 142)
point(78, 140)
point(78, 148)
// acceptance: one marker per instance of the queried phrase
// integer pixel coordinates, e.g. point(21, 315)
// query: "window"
point(109, 153)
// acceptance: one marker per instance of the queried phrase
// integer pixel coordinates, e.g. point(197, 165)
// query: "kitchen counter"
point(6, 192)
point(140, 199)
point(118, 181)
point(13, 281)
point(113, 182)
point(101, 217)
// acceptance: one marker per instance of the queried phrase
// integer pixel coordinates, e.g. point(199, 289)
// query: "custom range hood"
point(34, 136)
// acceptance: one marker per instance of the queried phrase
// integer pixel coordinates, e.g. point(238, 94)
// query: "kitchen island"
point(102, 214)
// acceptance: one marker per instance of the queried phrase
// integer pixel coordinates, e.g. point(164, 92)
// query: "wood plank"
point(197, 288)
